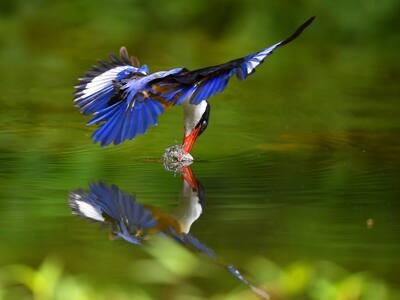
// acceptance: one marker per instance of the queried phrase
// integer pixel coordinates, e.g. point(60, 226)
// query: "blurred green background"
point(300, 162)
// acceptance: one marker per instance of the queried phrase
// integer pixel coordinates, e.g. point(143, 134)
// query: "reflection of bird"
point(135, 222)
point(125, 99)
point(192, 200)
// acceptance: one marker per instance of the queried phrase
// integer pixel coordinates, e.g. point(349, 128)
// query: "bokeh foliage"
point(171, 272)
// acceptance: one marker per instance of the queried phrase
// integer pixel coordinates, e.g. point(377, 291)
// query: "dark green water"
point(292, 194)
point(299, 163)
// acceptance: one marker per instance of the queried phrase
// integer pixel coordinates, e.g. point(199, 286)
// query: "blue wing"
point(106, 91)
point(125, 119)
point(102, 82)
point(109, 204)
point(199, 85)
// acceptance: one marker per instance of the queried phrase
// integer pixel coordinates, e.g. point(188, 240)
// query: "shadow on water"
point(136, 223)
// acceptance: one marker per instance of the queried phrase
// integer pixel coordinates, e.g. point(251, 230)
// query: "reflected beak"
point(188, 141)
point(187, 175)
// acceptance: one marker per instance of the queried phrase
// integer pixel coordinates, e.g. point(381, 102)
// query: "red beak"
point(188, 141)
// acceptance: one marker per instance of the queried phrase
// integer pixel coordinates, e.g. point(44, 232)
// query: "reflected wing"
point(201, 84)
point(190, 242)
point(109, 204)
point(238, 275)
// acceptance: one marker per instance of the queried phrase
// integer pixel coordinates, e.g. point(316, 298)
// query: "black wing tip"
point(309, 21)
point(298, 31)
point(305, 24)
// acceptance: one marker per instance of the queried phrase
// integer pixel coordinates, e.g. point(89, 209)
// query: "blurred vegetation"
point(171, 272)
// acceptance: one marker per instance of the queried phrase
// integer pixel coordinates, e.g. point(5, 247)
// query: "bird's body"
point(125, 99)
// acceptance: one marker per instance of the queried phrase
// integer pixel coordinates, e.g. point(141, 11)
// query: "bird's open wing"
point(105, 92)
point(101, 83)
point(201, 84)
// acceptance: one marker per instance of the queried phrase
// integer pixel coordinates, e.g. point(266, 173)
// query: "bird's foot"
point(175, 158)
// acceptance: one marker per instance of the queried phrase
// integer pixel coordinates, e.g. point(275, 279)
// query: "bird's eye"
point(204, 120)
point(203, 126)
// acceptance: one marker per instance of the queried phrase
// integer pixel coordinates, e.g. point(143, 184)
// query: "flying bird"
point(125, 99)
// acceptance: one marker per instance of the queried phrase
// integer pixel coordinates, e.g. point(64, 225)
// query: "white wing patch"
point(87, 210)
point(259, 57)
point(102, 81)
point(252, 64)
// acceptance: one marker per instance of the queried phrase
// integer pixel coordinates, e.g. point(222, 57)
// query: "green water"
point(299, 163)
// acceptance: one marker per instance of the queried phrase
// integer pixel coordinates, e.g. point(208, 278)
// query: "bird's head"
point(196, 121)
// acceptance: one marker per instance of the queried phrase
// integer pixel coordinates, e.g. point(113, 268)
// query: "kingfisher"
point(124, 98)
